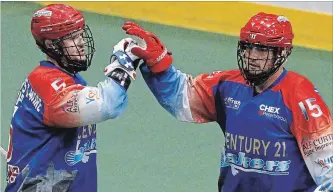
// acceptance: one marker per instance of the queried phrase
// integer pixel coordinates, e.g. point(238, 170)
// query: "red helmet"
point(55, 21)
point(265, 32)
point(268, 30)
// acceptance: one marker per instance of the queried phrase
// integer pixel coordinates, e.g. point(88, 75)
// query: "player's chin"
point(79, 58)
point(255, 72)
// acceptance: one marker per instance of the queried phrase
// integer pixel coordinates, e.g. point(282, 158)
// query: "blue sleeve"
point(170, 89)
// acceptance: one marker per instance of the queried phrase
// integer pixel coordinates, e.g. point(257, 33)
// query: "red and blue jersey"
point(278, 140)
point(52, 143)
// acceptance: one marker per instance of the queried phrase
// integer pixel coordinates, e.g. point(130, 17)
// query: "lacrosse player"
point(53, 130)
point(278, 130)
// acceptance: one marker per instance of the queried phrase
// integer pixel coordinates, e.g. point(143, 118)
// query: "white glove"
point(129, 43)
point(123, 63)
point(122, 58)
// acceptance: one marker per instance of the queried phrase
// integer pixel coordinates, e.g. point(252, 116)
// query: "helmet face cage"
point(62, 56)
point(66, 61)
point(258, 76)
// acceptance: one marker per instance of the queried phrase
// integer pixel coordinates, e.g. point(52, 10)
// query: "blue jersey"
point(52, 143)
point(278, 140)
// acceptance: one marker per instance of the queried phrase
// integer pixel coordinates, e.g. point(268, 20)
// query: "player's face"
point(258, 60)
point(74, 46)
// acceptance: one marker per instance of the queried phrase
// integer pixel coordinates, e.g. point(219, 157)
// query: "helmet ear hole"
point(284, 53)
point(289, 50)
point(52, 47)
point(49, 44)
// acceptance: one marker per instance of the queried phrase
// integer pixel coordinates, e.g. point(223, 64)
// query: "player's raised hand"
point(150, 48)
point(125, 45)
point(122, 58)
point(123, 63)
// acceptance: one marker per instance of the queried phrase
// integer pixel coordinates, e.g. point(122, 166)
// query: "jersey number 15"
point(311, 107)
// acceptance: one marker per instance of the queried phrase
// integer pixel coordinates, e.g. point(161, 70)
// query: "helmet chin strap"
point(67, 64)
point(62, 61)
point(64, 64)
point(261, 78)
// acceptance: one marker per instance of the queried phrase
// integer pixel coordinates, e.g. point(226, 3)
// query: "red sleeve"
point(201, 96)
point(311, 116)
point(54, 87)
point(48, 83)
point(312, 127)
point(69, 105)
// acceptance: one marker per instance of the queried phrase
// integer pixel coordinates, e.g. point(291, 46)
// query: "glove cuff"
point(121, 77)
point(121, 69)
point(161, 63)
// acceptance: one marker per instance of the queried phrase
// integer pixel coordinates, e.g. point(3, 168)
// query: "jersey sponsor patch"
point(92, 96)
point(325, 162)
point(310, 146)
point(263, 163)
point(85, 145)
point(271, 112)
point(72, 105)
point(232, 103)
point(12, 173)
